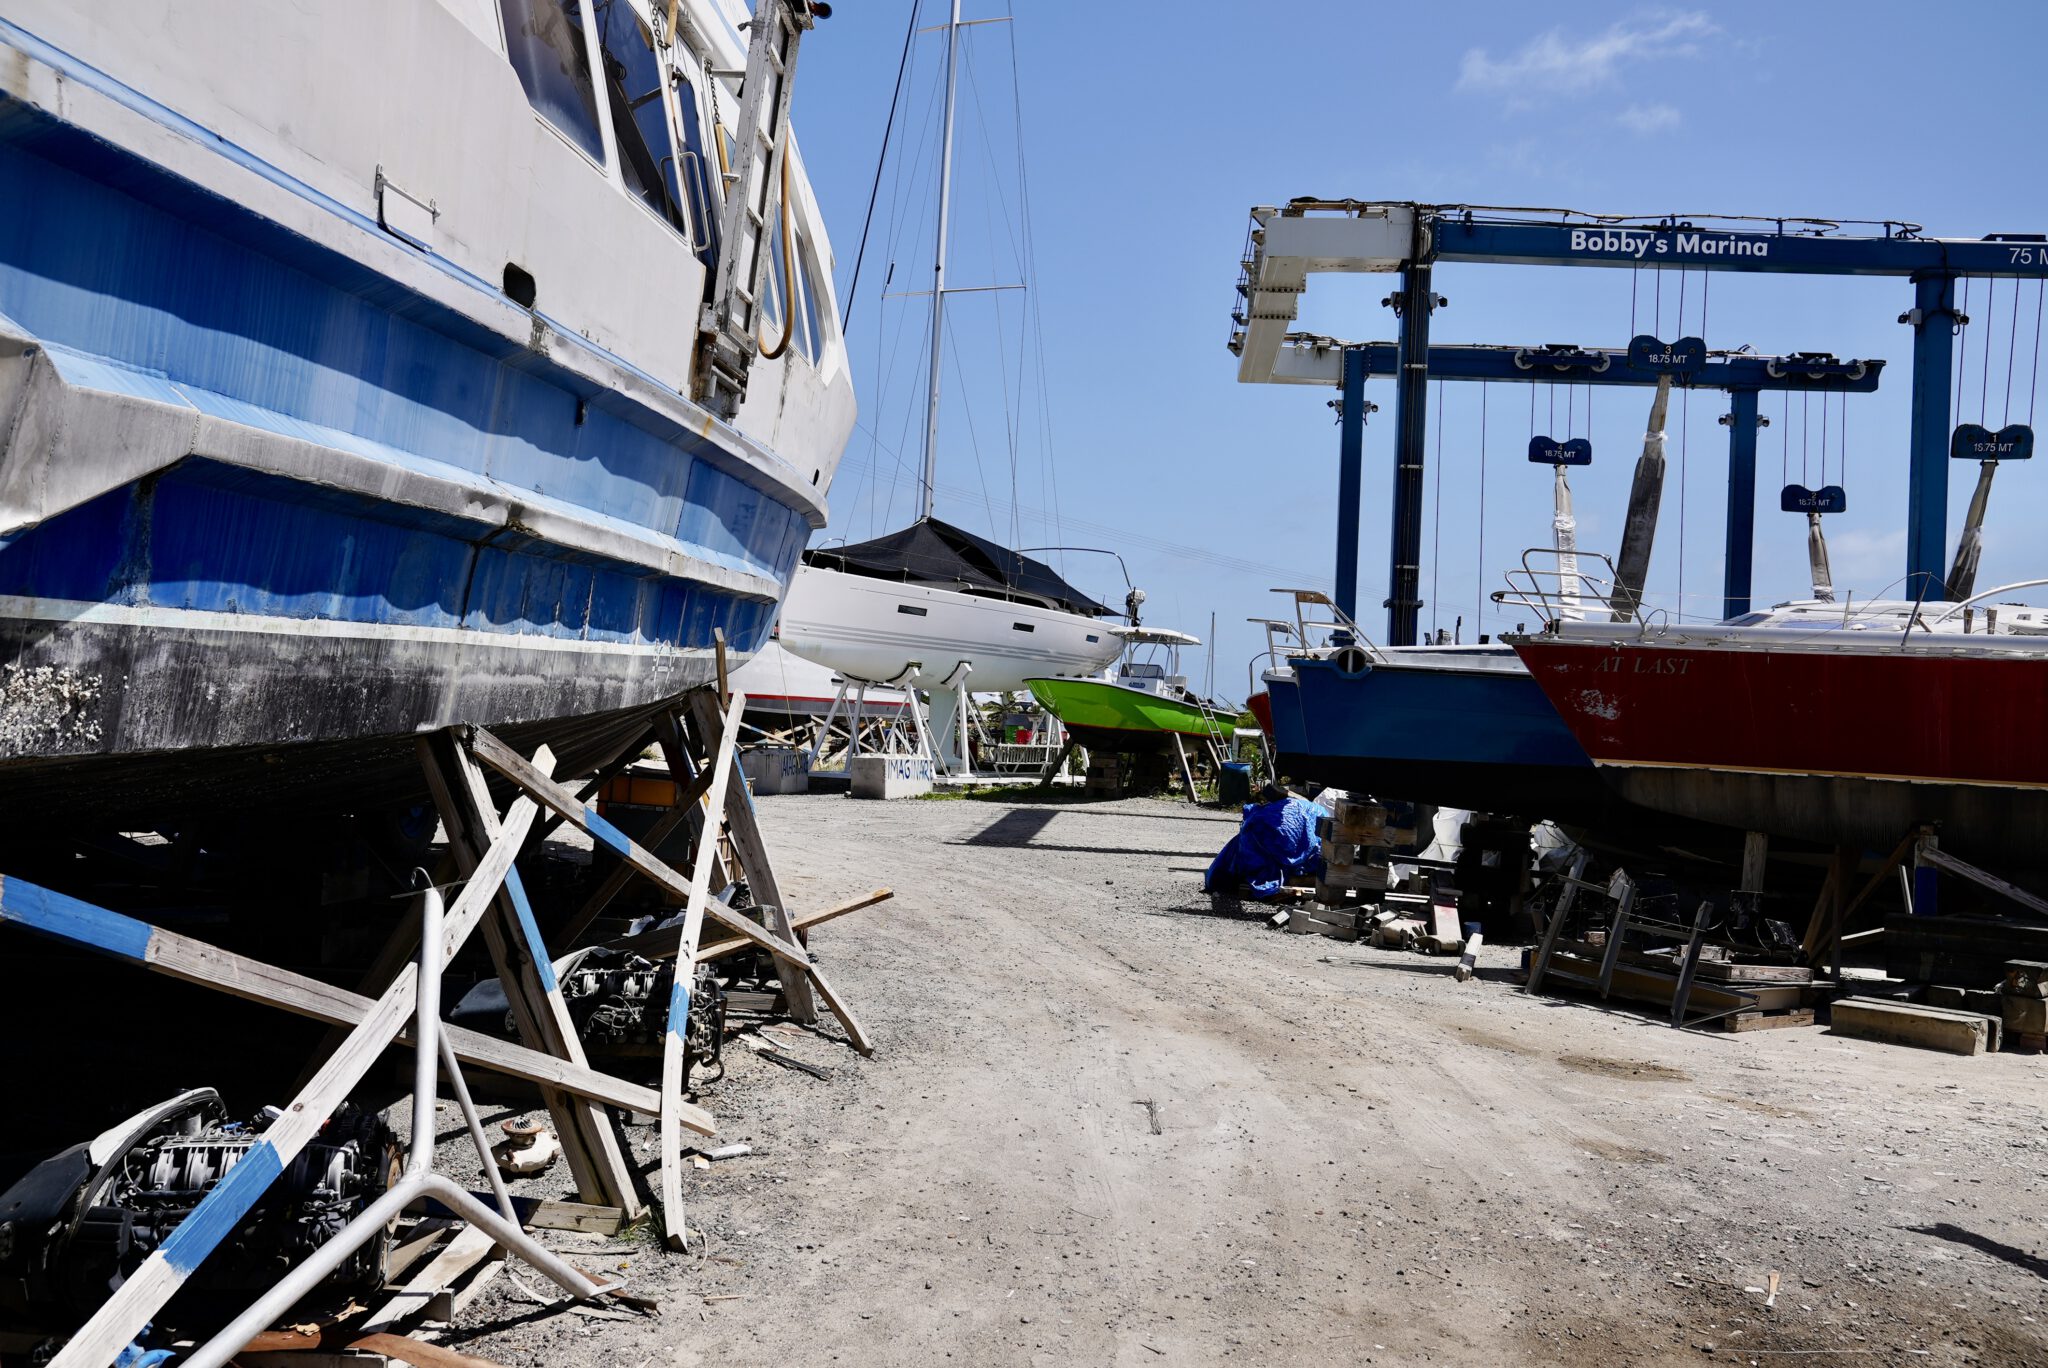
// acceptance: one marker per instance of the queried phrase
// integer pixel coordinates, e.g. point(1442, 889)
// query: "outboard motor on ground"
point(77, 1225)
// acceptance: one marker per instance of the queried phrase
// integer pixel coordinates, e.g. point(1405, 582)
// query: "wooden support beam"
point(589, 1141)
point(142, 1295)
point(1941, 859)
point(1756, 850)
point(688, 808)
point(181, 957)
point(664, 942)
point(606, 772)
point(750, 851)
point(1187, 775)
point(513, 766)
point(675, 1042)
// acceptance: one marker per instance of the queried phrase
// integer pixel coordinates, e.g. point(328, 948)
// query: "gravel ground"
point(1108, 1123)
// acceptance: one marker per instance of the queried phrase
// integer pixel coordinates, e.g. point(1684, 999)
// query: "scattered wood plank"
point(470, 1247)
point(589, 1141)
point(1766, 1021)
point(1909, 1023)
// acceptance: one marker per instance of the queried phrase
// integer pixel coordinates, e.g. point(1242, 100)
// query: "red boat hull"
point(1837, 746)
point(1261, 705)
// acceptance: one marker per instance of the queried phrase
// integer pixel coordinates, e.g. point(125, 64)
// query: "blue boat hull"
point(267, 513)
point(1484, 739)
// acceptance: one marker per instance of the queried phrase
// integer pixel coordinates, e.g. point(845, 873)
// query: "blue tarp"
point(1276, 840)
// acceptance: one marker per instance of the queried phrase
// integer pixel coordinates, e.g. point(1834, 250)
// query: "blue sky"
point(1149, 131)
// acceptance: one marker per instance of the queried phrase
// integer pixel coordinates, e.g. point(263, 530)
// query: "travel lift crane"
point(1309, 236)
point(1308, 360)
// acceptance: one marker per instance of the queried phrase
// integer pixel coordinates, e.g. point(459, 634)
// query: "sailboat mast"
point(931, 413)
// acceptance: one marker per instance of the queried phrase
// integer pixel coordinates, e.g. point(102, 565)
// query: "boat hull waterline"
point(273, 477)
point(1837, 745)
point(1110, 717)
point(1483, 739)
point(876, 629)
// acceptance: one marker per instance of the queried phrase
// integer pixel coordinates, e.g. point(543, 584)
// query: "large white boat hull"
point(877, 629)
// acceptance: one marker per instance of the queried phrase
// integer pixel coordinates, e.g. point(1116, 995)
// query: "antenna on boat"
point(931, 413)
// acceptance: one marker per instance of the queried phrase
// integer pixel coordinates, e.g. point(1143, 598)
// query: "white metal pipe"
point(453, 1069)
point(419, 1180)
point(426, 1052)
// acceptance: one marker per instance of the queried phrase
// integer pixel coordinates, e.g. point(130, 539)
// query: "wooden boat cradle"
point(697, 737)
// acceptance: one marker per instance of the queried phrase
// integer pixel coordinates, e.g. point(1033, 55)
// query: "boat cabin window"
point(696, 172)
point(814, 335)
point(1143, 670)
point(632, 84)
point(544, 40)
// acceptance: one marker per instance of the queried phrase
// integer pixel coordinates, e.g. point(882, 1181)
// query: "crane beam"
point(1309, 236)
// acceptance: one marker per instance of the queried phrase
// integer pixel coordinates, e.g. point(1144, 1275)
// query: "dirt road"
point(1107, 1125)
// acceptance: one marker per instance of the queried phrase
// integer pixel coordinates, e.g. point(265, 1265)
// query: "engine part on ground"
point(619, 1004)
point(528, 1148)
point(76, 1226)
point(704, 1044)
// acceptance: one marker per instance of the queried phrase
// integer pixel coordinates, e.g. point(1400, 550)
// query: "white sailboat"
point(935, 607)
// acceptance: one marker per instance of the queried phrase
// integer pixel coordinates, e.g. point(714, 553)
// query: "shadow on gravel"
point(1984, 1244)
point(1019, 830)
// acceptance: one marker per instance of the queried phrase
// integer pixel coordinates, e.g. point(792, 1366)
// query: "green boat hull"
point(1105, 716)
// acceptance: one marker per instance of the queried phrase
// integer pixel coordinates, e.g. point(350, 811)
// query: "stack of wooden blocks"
point(1105, 775)
point(1356, 843)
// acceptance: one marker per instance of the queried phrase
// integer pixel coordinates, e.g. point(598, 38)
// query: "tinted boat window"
point(814, 337)
point(632, 85)
point(544, 39)
point(697, 172)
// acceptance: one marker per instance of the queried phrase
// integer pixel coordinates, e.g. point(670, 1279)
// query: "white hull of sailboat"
point(876, 629)
point(781, 684)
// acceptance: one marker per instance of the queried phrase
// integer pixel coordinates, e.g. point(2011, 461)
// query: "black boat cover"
point(933, 552)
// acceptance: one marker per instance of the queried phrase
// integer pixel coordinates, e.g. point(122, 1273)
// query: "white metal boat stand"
point(892, 737)
point(418, 1180)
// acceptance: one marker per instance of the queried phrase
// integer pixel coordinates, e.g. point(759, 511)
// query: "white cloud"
point(1648, 120)
point(1551, 64)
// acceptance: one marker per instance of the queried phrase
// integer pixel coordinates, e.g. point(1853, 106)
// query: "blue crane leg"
point(1350, 480)
point(1934, 297)
point(1740, 546)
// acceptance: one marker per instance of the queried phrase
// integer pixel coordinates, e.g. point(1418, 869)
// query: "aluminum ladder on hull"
point(728, 331)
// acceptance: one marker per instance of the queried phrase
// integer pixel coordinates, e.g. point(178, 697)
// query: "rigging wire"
point(1785, 446)
point(1049, 469)
point(1479, 581)
point(1684, 432)
point(881, 159)
point(2012, 349)
point(1011, 415)
point(2040, 294)
point(1990, 312)
point(1962, 344)
point(1436, 500)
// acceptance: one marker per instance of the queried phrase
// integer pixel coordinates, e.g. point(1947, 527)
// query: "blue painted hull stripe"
point(53, 914)
point(529, 928)
point(606, 834)
point(216, 1217)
